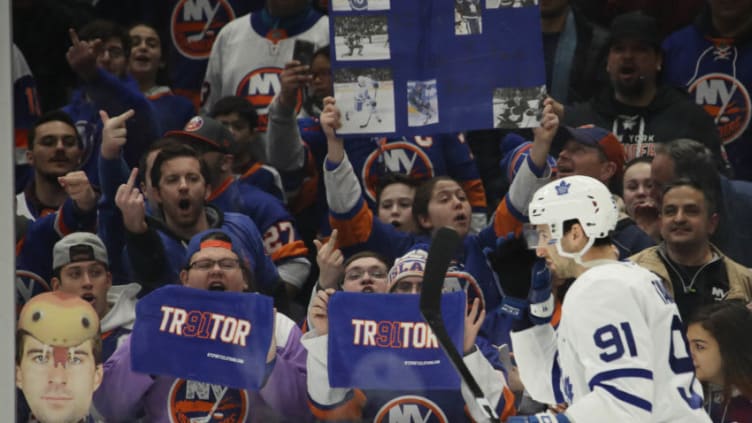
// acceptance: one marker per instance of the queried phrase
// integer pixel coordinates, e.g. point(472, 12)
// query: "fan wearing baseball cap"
point(282, 242)
point(587, 150)
point(635, 106)
point(215, 260)
point(238, 115)
point(81, 268)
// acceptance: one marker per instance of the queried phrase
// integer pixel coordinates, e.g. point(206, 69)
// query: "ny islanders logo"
point(395, 157)
point(192, 401)
point(259, 87)
point(726, 99)
point(29, 284)
point(194, 25)
point(457, 279)
point(410, 409)
point(87, 133)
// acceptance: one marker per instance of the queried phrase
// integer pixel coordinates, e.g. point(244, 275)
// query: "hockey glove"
point(512, 261)
point(540, 418)
point(540, 296)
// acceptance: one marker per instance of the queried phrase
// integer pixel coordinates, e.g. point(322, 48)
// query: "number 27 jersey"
point(619, 353)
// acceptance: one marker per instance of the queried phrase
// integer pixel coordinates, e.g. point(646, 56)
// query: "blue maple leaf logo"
point(568, 389)
point(563, 188)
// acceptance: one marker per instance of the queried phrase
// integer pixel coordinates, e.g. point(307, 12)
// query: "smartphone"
point(303, 52)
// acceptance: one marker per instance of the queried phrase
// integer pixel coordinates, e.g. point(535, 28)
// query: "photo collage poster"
point(412, 68)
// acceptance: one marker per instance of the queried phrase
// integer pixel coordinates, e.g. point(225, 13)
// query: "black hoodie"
point(671, 115)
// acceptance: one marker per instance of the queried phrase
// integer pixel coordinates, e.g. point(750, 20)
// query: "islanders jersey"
point(717, 73)
point(25, 111)
point(359, 230)
point(281, 239)
point(619, 353)
point(193, 27)
point(421, 157)
point(232, 70)
point(237, 224)
point(266, 178)
point(173, 111)
point(34, 249)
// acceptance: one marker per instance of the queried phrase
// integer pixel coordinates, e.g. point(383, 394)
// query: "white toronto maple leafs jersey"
point(619, 353)
point(365, 86)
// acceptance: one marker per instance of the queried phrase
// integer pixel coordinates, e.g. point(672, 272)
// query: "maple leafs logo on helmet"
point(563, 188)
point(580, 198)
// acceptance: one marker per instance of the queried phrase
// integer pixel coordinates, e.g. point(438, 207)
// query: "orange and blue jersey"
point(359, 229)
point(34, 249)
point(115, 96)
point(172, 111)
point(716, 72)
point(281, 239)
point(265, 178)
point(421, 157)
point(26, 110)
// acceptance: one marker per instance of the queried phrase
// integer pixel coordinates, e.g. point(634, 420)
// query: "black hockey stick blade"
point(443, 247)
point(367, 120)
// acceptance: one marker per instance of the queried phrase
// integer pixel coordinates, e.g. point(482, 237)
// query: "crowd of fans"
point(180, 144)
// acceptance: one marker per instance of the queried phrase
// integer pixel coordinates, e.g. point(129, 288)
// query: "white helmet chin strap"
point(577, 256)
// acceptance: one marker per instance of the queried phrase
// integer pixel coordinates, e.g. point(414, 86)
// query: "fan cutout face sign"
point(58, 356)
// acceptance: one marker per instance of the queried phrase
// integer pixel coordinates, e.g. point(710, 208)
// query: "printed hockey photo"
point(366, 98)
point(422, 103)
point(361, 38)
point(517, 107)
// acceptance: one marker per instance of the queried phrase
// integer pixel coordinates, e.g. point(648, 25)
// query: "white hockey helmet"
point(362, 80)
point(575, 197)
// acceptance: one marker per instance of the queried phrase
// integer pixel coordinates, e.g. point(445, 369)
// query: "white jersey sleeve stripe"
point(556, 380)
point(627, 397)
point(600, 381)
point(619, 373)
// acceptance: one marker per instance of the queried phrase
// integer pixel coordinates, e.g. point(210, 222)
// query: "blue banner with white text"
point(381, 341)
point(214, 337)
point(410, 68)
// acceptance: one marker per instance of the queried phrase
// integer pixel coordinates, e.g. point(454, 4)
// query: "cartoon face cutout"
point(59, 319)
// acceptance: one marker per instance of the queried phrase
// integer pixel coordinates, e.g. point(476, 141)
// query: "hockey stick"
point(209, 20)
point(443, 247)
point(367, 120)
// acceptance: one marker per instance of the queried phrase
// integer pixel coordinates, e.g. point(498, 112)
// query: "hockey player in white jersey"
point(365, 102)
point(619, 353)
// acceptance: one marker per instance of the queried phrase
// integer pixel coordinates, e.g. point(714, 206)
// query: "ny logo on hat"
point(194, 124)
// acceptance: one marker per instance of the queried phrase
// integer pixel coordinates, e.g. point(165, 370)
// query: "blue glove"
point(540, 297)
point(540, 418)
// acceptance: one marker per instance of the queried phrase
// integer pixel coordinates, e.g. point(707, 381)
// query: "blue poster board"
point(214, 337)
point(415, 67)
point(381, 341)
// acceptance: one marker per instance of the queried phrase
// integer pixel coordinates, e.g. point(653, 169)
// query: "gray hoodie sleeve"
point(284, 147)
